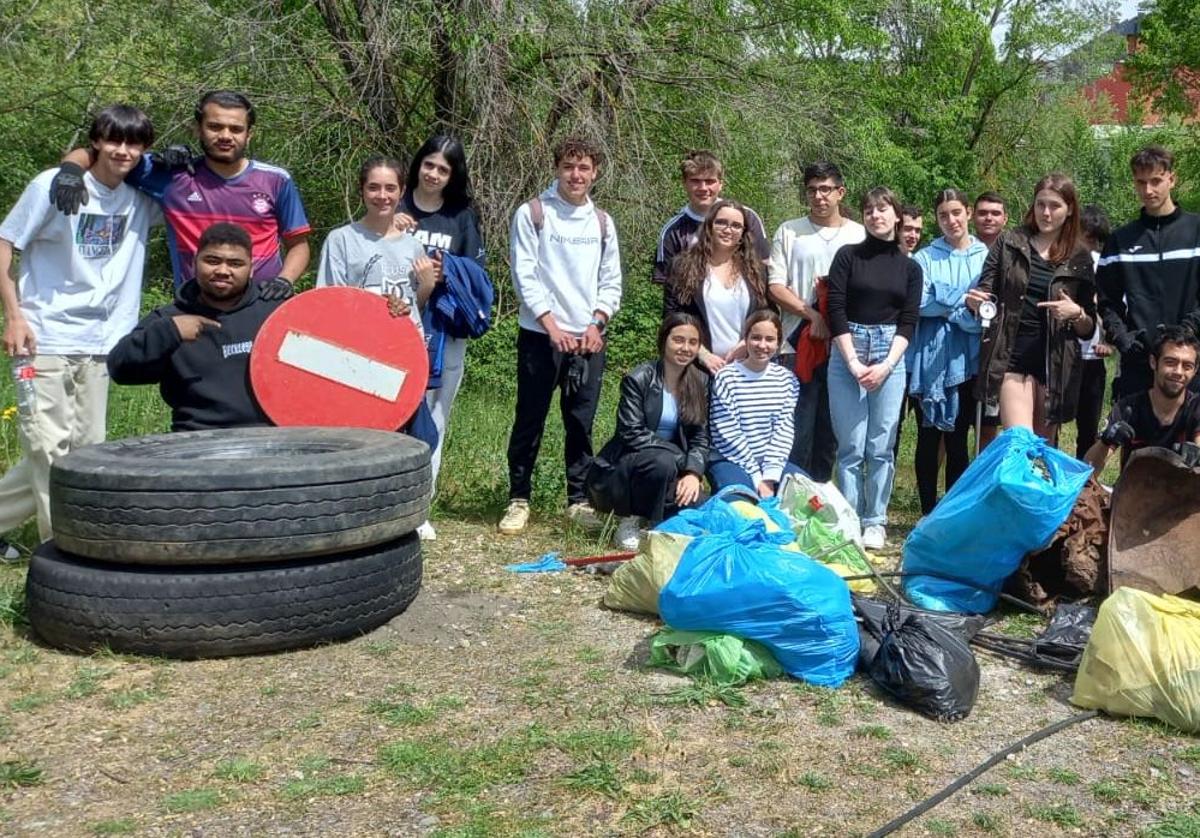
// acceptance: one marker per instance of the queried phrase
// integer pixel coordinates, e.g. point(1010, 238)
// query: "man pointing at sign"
point(198, 348)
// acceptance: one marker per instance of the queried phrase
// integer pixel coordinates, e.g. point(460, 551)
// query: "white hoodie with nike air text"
point(563, 269)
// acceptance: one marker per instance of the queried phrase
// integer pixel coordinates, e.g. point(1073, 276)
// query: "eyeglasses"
point(825, 190)
point(726, 224)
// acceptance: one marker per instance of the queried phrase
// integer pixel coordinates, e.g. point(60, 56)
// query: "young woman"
point(654, 462)
point(874, 297)
point(371, 253)
point(1040, 278)
point(752, 408)
point(944, 354)
point(720, 280)
point(438, 208)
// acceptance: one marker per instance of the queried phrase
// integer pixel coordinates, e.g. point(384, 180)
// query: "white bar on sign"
point(333, 362)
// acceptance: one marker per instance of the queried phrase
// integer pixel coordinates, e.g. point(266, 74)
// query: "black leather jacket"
point(1006, 275)
point(638, 414)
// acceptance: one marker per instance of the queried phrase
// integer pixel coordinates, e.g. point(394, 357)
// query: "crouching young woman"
point(653, 464)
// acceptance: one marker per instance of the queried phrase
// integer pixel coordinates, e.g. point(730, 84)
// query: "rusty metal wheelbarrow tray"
point(1154, 530)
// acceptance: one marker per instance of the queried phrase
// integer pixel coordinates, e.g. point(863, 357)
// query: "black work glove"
point(1189, 452)
point(1117, 434)
point(68, 191)
point(278, 288)
point(176, 157)
point(577, 374)
point(1131, 343)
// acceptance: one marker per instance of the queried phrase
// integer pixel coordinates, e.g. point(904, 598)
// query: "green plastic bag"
point(818, 540)
point(720, 658)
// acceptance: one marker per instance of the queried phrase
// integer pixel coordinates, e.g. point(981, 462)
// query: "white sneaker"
point(874, 537)
point(516, 517)
point(8, 553)
point(583, 515)
point(629, 534)
point(426, 532)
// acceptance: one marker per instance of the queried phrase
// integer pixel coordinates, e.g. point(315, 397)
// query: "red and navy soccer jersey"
point(263, 199)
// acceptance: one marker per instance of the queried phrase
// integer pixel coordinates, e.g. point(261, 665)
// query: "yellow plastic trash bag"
point(749, 510)
point(1143, 659)
point(635, 585)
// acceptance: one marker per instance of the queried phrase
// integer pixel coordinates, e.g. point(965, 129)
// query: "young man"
point(80, 284)
point(1166, 414)
point(912, 227)
point(702, 181)
point(223, 185)
point(197, 349)
point(1092, 352)
point(1149, 272)
point(801, 253)
point(566, 268)
point(990, 218)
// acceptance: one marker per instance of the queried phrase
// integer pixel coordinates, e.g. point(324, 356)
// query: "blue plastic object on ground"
point(743, 584)
point(548, 563)
point(1008, 502)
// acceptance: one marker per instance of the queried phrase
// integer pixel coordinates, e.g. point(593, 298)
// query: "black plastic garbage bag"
point(871, 613)
point(924, 663)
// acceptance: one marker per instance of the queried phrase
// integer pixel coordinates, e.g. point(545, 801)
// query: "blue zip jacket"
point(460, 307)
point(944, 351)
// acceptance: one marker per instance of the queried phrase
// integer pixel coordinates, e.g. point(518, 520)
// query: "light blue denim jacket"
point(945, 348)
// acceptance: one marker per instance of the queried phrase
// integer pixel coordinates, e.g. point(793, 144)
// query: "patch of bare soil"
point(507, 704)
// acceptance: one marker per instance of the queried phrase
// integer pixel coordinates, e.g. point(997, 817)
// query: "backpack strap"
point(537, 214)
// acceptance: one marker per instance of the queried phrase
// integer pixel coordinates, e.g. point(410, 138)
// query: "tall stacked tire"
point(215, 543)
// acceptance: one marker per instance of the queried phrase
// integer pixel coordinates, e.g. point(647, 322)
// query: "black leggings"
point(930, 439)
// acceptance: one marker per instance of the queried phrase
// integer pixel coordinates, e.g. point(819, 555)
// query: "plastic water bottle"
point(23, 373)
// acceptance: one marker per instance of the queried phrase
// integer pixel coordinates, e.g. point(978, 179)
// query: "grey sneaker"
point(584, 516)
point(8, 553)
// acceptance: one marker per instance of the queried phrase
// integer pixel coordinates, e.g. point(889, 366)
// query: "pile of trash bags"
point(752, 589)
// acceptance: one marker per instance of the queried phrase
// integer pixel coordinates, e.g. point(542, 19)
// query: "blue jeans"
point(723, 473)
point(865, 424)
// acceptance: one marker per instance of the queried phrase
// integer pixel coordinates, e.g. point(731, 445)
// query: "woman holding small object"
point(720, 280)
point(1038, 286)
point(874, 298)
point(654, 462)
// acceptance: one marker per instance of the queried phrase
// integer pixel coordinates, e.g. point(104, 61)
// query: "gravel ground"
point(506, 704)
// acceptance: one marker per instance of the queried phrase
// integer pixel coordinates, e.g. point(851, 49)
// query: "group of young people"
point(798, 353)
point(990, 327)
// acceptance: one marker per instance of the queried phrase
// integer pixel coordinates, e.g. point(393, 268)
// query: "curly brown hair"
point(578, 146)
point(691, 267)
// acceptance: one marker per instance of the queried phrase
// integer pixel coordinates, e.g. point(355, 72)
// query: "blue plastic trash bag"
point(747, 586)
point(1007, 503)
point(546, 563)
point(714, 515)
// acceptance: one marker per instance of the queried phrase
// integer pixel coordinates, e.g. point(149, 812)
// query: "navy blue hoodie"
point(206, 381)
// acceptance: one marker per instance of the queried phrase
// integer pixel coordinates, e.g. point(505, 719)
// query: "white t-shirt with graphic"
point(802, 251)
point(80, 280)
point(354, 255)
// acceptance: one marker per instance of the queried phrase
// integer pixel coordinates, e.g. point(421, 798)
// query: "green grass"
point(337, 785)
point(992, 790)
point(595, 778)
point(192, 800)
point(115, 826)
point(15, 773)
point(814, 781)
point(882, 732)
point(1176, 825)
point(451, 770)
point(238, 770)
point(401, 714)
point(87, 681)
point(1060, 814)
point(1062, 776)
point(12, 603)
point(30, 702)
point(668, 809)
point(902, 759)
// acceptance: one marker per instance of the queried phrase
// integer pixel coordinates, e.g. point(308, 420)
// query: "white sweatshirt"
point(563, 270)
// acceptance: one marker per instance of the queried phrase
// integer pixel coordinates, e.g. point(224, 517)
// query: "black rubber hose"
point(1009, 598)
point(999, 756)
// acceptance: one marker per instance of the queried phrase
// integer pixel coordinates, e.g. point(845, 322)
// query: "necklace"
point(817, 228)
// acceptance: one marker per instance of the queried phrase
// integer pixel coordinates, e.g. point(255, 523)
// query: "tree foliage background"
point(915, 94)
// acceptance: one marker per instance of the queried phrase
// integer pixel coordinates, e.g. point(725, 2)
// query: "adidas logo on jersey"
point(194, 198)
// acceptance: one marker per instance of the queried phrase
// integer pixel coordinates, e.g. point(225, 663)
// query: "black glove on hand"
point(1117, 434)
point(67, 191)
point(176, 157)
point(577, 374)
point(1128, 343)
point(278, 288)
point(1189, 452)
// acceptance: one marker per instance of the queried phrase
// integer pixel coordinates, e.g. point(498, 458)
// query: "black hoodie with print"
point(206, 381)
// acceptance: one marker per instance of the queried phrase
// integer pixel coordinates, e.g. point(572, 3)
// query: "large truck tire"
point(218, 611)
point(239, 495)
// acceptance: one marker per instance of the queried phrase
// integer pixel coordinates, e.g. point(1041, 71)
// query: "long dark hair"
point(1068, 234)
point(692, 397)
point(884, 195)
point(457, 194)
point(691, 266)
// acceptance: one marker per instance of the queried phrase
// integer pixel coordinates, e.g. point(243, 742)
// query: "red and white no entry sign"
point(336, 357)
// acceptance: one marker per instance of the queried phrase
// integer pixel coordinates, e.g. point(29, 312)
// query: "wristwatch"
point(601, 325)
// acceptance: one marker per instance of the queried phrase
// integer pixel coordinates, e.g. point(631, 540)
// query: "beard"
point(232, 156)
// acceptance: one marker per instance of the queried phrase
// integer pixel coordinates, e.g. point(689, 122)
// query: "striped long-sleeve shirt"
point(752, 418)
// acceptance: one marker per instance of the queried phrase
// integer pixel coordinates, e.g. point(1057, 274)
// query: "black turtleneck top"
point(873, 283)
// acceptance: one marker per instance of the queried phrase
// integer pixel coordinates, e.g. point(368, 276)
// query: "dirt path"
point(503, 704)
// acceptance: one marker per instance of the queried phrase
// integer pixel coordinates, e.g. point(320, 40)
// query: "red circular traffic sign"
point(335, 357)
